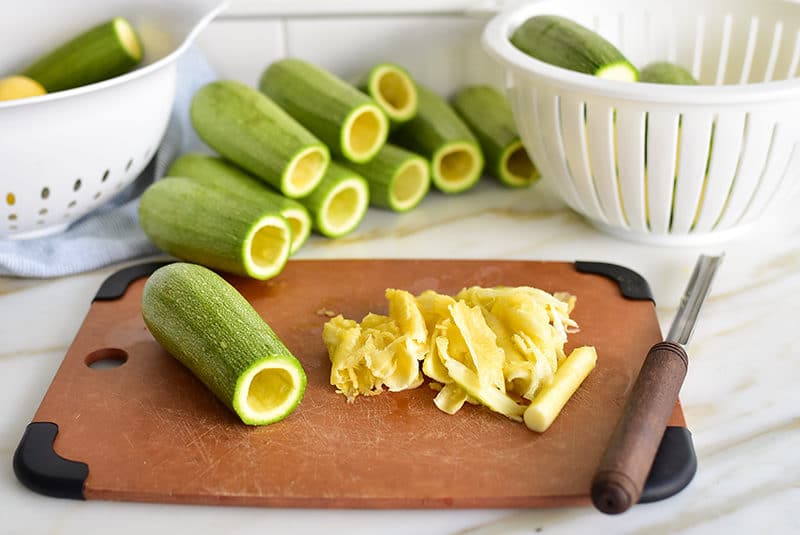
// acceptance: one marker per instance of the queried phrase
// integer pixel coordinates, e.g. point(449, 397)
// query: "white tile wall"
point(240, 49)
point(442, 51)
point(355, 7)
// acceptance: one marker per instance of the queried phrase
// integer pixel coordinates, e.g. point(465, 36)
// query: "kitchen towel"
point(111, 233)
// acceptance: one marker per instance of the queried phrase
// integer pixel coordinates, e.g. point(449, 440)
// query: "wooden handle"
point(619, 480)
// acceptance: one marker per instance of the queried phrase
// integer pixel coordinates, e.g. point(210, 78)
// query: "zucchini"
point(664, 72)
point(205, 225)
point(488, 114)
point(216, 172)
point(564, 43)
point(102, 52)
point(14, 87)
point(344, 118)
point(393, 90)
point(207, 325)
point(339, 203)
point(249, 129)
point(439, 134)
point(398, 179)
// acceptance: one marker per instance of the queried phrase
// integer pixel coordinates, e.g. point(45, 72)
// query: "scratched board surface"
point(150, 431)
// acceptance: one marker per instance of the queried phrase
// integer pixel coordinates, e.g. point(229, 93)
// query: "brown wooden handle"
point(620, 478)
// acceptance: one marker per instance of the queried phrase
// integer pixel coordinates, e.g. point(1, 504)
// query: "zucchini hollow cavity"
point(216, 172)
point(203, 224)
point(344, 118)
point(102, 52)
point(393, 90)
point(339, 203)
point(207, 325)
point(398, 179)
point(438, 133)
point(488, 114)
point(252, 131)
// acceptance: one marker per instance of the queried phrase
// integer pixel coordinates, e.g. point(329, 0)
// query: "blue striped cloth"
point(111, 234)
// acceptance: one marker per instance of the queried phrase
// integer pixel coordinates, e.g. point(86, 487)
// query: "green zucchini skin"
point(216, 172)
point(664, 72)
point(487, 113)
point(95, 55)
point(249, 129)
point(206, 324)
point(564, 43)
point(318, 202)
point(207, 226)
point(370, 84)
point(434, 129)
point(322, 102)
point(383, 172)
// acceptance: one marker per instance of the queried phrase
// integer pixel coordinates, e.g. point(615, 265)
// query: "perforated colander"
point(664, 163)
point(64, 154)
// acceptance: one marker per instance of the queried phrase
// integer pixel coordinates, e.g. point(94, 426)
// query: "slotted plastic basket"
point(658, 163)
point(66, 153)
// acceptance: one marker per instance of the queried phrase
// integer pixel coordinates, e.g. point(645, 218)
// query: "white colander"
point(64, 154)
point(663, 163)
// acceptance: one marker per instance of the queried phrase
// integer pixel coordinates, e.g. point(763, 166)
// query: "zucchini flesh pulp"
point(216, 172)
point(339, 203)
point(438, 133)
point(398, 179)
point(207, 325)
point(488, 114)
point(564, 43)
point(252, 131)
point(663, 72)
point(102, 52)
point(344, 118)
point(14, 87)
point(393, 89)
point(205, 225)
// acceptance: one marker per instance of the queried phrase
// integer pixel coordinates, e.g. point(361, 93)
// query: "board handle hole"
point(106, 358)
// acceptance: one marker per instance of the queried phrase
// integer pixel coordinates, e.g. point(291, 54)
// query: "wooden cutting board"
point(148, 430)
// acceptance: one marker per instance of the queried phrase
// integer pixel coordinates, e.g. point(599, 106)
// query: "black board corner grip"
point(42, 470)
point(631, 284)
point(673, 468)
point(117, 283)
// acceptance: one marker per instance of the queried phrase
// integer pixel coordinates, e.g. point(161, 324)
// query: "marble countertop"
point(740, 397)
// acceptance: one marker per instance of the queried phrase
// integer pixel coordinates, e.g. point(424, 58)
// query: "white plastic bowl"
point(64, 154)
point(665, 164)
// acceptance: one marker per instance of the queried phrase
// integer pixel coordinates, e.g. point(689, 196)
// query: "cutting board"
point(148, 430)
